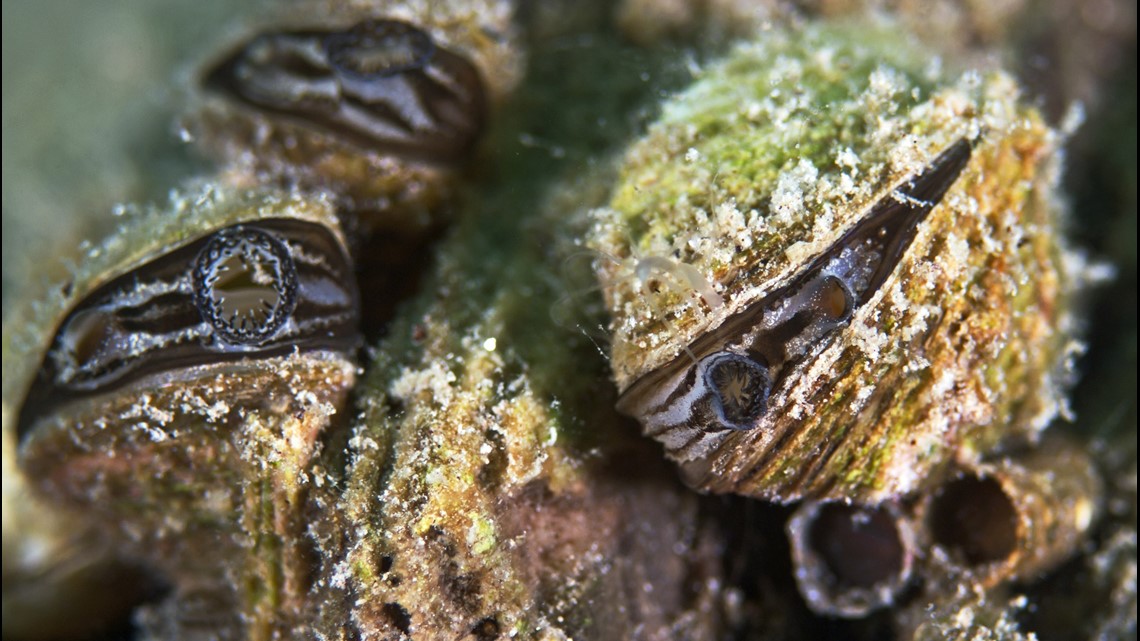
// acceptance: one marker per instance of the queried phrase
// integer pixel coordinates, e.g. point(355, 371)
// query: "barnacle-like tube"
point(851, 559)
point(1014, 518)
point(380, 84)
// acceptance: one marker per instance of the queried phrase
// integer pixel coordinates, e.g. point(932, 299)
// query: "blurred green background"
point(89, 94)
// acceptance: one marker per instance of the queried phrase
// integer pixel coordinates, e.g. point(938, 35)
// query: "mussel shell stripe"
point(884, 234)
point(155, 324)
point(419, 101)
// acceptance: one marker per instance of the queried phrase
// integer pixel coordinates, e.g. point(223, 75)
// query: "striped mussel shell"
point(834, 265)
point(189, 323)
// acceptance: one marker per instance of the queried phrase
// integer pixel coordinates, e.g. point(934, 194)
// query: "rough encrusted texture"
point(484, 497)
point(55, 560)
point(966, 613)
point(1099, 603)
point(1092, 596)
point(223, 448)
point(762, 165)
point(492, 492)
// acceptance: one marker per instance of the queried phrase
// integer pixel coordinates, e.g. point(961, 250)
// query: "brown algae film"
point(776, 330)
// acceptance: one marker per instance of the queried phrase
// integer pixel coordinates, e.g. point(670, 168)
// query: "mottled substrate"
point(54, 560)
point(492, 491)
point(1110, 571)
point(761, 165)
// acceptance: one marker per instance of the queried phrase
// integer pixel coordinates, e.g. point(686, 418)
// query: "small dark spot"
point(491, 474)
point(462, 588)
point(419, 333)
point(386, 563)
point(398, 617)
point(487, 629)
point(435, 534)
point(310, 554)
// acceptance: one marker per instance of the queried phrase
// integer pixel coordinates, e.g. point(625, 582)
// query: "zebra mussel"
point(883, 241)
point(837, 277)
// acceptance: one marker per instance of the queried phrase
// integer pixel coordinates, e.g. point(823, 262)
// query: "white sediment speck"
point(788, 197)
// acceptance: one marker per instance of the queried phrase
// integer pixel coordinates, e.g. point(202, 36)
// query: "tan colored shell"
point(761, 167)
point(849, 559)
point(189, 473)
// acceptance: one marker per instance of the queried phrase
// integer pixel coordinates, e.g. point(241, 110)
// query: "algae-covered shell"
point(175, 390)
point(834, 267)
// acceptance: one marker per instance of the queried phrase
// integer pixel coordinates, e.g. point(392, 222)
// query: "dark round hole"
point(835, 300)
point(859, 546)
point(397, 615)
point(486, 629)
point(975, 520)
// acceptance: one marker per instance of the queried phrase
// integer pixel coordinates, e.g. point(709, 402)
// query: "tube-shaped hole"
point(850, 559)
point(975, 520)
point(859, 547)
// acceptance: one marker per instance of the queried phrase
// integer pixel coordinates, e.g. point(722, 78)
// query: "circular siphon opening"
point(245, 285)
point(974, 519)
point(835, 300)
point(741, 386)
point(859, 546)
